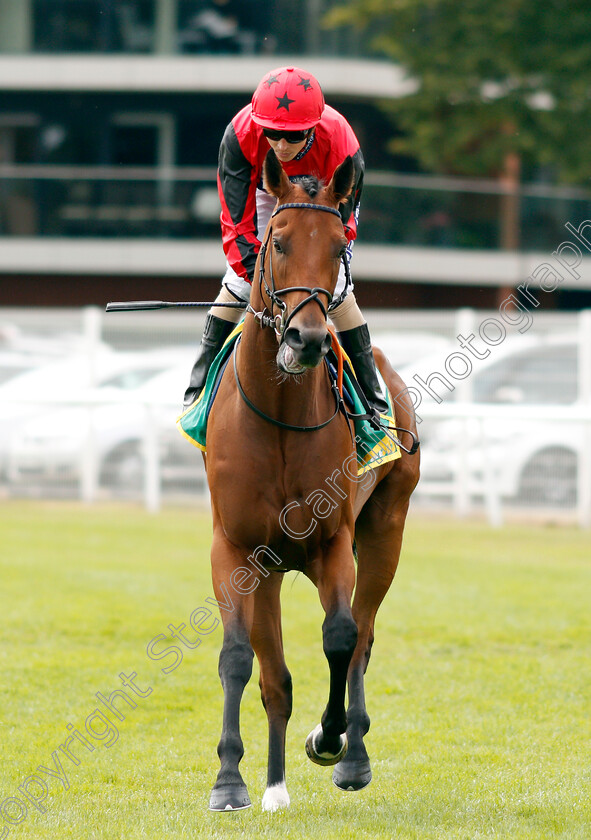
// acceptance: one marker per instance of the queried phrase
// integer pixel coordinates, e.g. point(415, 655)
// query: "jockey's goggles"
point(291, 136)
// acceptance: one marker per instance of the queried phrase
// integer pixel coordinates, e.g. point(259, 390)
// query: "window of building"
point(224, 26)
point(93, 25)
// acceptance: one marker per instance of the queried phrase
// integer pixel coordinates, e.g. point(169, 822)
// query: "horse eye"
point(342, 252)
point(277, 246)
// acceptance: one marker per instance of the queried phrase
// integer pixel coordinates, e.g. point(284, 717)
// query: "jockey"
point(288, 114)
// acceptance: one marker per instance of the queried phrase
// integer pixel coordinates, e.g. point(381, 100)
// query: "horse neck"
point(301, 400)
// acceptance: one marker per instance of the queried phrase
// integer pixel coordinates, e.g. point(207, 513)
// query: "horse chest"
point(278, 482)
point(289, 506)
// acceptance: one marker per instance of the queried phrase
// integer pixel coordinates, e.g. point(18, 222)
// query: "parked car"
point(534, 461)
point(30, 385)
point(159, 403)
point(16, 364)
point(111, 423)
point(403, 348)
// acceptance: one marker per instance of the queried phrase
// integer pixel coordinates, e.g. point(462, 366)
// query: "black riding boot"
point(357, 345)
point(215, 333)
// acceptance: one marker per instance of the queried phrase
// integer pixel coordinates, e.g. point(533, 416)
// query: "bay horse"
point(273, 441)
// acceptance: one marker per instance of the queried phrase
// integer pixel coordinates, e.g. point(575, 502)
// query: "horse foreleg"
point(353, 771)
point(327, 743)
point(235, 667)
point(275, 684)
point(379, 544)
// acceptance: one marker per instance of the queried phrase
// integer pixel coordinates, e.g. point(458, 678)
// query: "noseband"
point(281, 321)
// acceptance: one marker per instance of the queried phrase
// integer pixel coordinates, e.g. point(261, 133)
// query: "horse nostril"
point(309, 344)
point(293, 338)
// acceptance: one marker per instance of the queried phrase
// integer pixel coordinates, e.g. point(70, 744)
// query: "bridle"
point(281, 321)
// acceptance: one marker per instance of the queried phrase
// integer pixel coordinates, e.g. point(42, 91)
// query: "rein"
point(280, 324)
point(289, 426)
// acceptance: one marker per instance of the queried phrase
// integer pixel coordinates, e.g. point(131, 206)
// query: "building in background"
point(111, 113)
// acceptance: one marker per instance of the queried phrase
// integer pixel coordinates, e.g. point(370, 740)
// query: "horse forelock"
point(309, 184)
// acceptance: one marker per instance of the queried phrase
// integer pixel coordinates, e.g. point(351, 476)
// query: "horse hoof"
point(275, 797)
point(352, 775)
point(324, 758)
point(229, 798)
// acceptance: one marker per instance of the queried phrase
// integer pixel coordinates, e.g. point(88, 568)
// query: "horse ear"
point(342, 181)
point(275, 180)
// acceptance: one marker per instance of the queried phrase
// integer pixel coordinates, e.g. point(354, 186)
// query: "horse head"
point(300, 260)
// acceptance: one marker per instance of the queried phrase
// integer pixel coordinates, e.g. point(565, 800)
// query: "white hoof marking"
point(276, 797)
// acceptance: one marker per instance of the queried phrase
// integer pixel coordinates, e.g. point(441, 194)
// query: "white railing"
point(85, 467)
point(475, 459)
point(463, 487)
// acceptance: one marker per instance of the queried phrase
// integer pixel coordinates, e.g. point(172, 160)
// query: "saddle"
point(374, 447)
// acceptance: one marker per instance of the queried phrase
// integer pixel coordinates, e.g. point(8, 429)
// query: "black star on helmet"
point(272, 80)
point(284, 101)
point(305, 83)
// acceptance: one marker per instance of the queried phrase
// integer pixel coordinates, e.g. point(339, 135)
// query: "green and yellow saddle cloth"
point(374, 448)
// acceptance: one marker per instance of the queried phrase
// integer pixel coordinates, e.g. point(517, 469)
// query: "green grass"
point(478, 687)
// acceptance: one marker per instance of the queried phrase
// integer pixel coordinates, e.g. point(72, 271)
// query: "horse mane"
point(309, 183)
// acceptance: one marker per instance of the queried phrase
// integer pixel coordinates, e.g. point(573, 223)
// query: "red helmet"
point(288, 98)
